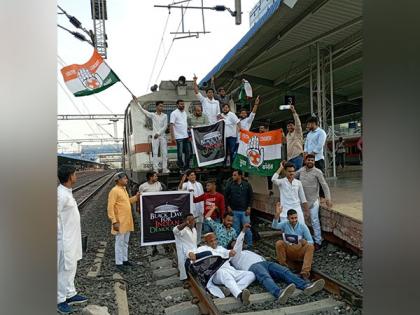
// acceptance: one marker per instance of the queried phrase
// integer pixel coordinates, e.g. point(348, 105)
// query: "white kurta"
point(69, 243)
point(69, 235)
point(185, 242)
point(235, 280)
point(198, 190)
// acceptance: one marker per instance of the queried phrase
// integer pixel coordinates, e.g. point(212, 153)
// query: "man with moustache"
point(311, 179)
point(179, 133)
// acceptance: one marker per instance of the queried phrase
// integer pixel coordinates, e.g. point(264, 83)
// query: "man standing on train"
point(297, 243)
point(69, 241)
point(179, 132)
point(312, 179)
point(211, 106)
point(160, 124)
point(291, 190)
point(294, 140)
point(119, 212)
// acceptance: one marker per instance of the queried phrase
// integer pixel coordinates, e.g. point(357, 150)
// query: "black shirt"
point(238, 196)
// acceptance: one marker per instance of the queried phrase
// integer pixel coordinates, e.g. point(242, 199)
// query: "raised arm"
point(298, 125)
point(276, 224)
point(145, 112)
point(182, 181)
point(276, 176)
point(197, 91)
point(256, 104)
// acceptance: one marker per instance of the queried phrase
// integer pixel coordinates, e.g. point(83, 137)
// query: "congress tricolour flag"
point(259, 153)
point(92, 77)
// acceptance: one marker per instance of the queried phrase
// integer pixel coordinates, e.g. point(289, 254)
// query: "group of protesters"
point(219, 224)
point(212, 108)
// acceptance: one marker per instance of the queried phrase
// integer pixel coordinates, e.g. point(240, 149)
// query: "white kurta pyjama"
point(69, 243)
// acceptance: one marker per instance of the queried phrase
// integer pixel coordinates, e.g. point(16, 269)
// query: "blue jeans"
point(239, 219)
point(231, 146)
point(183, 146)
point(297, 161)
point(267, 272)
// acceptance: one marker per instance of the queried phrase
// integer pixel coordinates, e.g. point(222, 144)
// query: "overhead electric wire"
point(172, 43)
point(157, 54)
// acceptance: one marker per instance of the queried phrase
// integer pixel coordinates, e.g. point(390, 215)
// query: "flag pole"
point(132, 94)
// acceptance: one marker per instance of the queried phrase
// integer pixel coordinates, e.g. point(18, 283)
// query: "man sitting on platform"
point(268, 272)
point(235, 280)
point(297, 244)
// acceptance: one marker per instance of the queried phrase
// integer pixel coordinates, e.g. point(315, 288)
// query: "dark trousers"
point(320, 164)
point(183, 146)
point(269, 183)
point(231, 146)
point(340, 159)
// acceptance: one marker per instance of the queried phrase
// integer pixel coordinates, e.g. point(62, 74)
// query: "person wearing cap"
point(211, 106)
point(294, 139)
point(69, 241)
point(119, 212)
point(235, 280)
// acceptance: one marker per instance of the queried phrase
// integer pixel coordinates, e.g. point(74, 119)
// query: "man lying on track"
point(268, 272)
point(235, 280)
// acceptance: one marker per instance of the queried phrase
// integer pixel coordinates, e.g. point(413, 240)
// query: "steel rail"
point(88, 183)
point(82, 203)
point(200, 297)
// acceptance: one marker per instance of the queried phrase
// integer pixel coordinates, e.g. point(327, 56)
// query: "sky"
point(135, 29)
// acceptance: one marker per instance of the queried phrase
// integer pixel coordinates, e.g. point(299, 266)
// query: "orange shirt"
point(119, 209)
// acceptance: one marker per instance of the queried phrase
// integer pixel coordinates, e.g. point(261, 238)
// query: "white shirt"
point(179, 120)
point(210, 107)
point(160, 122)
point(244, 259)
point(146, 187)
point(291, 194)
point(69, 235)
point(315, 141)
point(247, 122)
point(231, 120)
point(186, 242)
point(197, 191)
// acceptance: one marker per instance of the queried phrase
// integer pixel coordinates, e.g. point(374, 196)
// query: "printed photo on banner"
point(209, 143)
point(160, 213)
point(259, 153)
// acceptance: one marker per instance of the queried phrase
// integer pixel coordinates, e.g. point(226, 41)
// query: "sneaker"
point(64, 308)
point(317, 247)
point(286, 293)
point(121, 268)
point(77, 299)
point(314, 287)
point(244, 296)
point(127, 263)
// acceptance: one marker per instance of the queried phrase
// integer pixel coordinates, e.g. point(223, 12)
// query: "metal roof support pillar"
point(332, 112)
point(311, 89)
point(324, 124)
point(318, 83)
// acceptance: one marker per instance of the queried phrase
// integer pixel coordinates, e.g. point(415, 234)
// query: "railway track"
point(83, 193)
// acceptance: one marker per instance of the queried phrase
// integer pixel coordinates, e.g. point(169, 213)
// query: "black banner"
point(160, 213)
point(209, 143)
